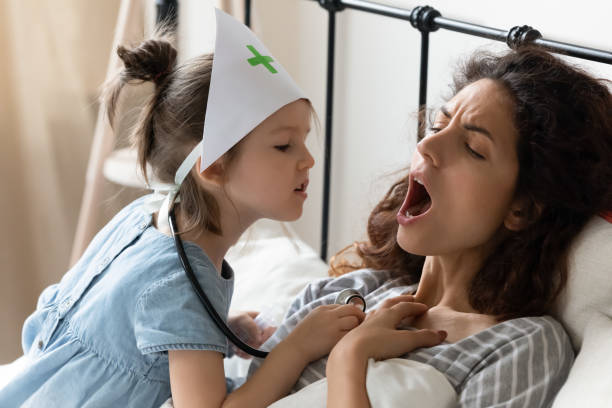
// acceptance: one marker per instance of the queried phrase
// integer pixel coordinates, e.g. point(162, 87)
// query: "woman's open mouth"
point(417, 202)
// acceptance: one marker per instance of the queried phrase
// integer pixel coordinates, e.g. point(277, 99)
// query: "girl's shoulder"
point(131, 220)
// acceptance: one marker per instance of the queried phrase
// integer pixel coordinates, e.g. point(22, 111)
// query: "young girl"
point(124, 327)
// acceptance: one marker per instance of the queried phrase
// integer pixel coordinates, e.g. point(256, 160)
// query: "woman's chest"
point(458, 325)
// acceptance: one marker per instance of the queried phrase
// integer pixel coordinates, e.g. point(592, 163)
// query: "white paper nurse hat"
point(247, 85)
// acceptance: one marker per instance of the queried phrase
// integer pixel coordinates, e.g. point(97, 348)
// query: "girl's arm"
point(377, 337)
point(197, 378)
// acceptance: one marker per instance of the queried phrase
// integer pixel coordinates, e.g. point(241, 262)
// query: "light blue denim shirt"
point(99, 337)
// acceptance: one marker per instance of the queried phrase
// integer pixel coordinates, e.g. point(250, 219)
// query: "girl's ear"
point(213, 176)
point(523, 212)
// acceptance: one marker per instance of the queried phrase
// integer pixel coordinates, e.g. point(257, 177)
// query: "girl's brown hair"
point(564, 120)
point(172, 121)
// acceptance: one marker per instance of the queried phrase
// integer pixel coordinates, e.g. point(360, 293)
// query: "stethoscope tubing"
point(202, 296)
point(344, 297)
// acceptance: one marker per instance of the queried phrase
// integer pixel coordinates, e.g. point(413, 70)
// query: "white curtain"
point(53, 58)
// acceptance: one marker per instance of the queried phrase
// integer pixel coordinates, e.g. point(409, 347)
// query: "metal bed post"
point(332, 7)
point(422, 19)
point(247, 13)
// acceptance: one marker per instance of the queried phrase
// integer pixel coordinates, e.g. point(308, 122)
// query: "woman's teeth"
point(419, 208)
point(423, 204)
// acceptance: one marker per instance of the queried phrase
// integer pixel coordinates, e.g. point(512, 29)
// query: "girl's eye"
point(474, 152)
point(434, 129)
point(282, 148)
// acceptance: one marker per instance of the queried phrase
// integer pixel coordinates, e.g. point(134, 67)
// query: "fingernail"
point(442, 334)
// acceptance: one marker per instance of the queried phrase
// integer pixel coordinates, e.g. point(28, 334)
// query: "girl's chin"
point(290, 217)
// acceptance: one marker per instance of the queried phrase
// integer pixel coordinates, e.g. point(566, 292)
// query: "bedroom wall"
point(376, 90)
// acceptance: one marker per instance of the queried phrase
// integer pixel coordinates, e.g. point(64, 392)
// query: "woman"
point(514, 165)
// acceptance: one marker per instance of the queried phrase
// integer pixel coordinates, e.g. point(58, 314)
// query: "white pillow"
point(271, 266)
point(589, 285)
point(590, 382)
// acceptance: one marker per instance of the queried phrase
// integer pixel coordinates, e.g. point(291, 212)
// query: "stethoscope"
point(346, 296)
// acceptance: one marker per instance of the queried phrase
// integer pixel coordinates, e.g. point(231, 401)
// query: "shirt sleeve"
point(526, 372)
point(169, 315)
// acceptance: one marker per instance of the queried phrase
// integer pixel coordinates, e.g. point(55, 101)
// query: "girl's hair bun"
point(152, 60)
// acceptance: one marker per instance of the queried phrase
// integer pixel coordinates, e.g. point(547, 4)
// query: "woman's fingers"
point(395, 300)
point(403, 310)
point(424, 337)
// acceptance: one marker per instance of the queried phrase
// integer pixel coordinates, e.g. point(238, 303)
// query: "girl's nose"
point(307, 162)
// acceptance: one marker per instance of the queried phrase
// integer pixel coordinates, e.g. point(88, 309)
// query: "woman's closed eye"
point(473, 152)
point(468, 148)
point(434, 129)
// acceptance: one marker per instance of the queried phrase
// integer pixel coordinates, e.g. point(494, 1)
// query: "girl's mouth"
point(302, 187)
point(417, 202)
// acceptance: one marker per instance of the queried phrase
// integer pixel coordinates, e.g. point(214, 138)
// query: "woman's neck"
point(446, 279)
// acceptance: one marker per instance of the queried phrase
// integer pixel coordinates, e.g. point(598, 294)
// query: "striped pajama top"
point(520, 362)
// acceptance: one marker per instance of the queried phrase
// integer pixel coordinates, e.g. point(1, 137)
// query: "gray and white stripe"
point(517, 363)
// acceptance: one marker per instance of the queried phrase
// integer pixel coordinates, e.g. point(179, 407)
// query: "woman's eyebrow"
point(473, 128)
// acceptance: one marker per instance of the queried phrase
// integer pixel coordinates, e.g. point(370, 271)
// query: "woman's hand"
point(244, 326)
point(315, 336)
point(378, 337)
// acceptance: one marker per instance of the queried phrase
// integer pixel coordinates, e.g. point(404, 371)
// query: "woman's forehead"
point(485, 103)
point(483, 96)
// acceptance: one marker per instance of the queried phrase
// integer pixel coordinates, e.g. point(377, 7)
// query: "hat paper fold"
point(247, 86)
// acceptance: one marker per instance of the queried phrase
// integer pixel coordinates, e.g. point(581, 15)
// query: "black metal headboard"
point(425, 19)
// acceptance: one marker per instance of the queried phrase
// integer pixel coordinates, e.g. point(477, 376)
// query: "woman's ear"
point(213, 175)
point(523, 212)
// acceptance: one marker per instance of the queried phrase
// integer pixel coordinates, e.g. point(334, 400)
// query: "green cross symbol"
point(260, 59)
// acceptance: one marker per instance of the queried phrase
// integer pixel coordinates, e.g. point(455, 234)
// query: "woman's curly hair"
point(564, 120)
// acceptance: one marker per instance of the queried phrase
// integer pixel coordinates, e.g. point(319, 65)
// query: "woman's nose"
point(430, 148)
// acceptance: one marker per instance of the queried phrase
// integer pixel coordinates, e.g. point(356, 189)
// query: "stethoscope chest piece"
point(351, 297)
